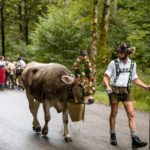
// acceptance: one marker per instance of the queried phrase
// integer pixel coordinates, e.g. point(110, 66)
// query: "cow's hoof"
point(68, 139)
point(44, 132)
point(37, 129)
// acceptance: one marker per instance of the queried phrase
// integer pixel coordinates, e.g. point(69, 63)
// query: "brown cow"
point(48, 84)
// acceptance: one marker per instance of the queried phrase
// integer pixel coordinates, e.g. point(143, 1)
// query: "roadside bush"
point(58, 38)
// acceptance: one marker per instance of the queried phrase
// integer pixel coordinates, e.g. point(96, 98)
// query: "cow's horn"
point(68, 79)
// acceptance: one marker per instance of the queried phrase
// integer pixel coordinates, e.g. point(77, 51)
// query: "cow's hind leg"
point(47, 116)
point(67, 135)
point(34, 106)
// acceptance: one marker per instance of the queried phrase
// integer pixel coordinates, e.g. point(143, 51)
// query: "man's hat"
point(122, 48)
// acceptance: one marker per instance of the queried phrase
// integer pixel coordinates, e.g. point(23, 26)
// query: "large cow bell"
point(76, 110)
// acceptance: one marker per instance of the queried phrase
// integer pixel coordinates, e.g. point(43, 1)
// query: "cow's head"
point(77, 90)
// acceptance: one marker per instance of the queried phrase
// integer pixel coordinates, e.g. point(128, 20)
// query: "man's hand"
point(108, 90)
point(139, 83)
point(147, 87)
point(106, 82)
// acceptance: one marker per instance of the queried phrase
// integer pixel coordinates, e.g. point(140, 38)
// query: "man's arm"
point(106, 82)
point(139, 83)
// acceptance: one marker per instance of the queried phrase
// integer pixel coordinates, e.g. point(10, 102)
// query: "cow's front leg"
point(67, 135)
point(34, 106)
point(47, 116)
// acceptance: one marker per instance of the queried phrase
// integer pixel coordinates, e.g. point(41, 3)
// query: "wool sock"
point(134, 133)
point(112, 131)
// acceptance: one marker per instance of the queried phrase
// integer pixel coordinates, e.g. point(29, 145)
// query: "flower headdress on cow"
point(84, 73)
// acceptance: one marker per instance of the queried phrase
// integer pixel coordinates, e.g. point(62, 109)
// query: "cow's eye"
point(80, 86)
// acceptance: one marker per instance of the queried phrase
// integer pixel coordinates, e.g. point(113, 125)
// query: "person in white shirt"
point(20, 63)
point(118, 78)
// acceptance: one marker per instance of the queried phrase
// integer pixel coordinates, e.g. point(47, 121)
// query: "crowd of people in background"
point(10, 73)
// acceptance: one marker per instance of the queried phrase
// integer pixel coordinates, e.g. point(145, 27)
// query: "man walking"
point(117, 78)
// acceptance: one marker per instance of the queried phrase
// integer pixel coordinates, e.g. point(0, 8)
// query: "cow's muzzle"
point(89, 100)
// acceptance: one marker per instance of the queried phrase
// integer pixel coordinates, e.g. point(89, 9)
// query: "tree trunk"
point(94, 34)
point(20, 21)
point(102, 52)
point(2, 28)
point(25, 22)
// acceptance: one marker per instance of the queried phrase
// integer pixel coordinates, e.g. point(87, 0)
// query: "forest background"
point(57, 30)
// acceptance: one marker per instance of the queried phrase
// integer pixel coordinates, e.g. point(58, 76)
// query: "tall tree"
point(20, 18)
point(94, 33)
point(2, 27)
point(102, 52)
point(23, 19)
point(25, 22)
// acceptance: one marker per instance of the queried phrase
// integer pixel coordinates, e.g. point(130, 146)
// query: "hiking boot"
point(113, 139)
point(137, 143)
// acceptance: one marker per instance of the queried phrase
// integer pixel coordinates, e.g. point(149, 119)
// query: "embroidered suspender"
point(118, 71)
point(130, 75)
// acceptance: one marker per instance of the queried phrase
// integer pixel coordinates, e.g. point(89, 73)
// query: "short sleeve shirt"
point(20, 64)
point(2, 63)
point(123, 78)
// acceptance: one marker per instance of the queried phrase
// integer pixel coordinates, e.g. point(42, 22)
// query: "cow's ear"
point(68, 79)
